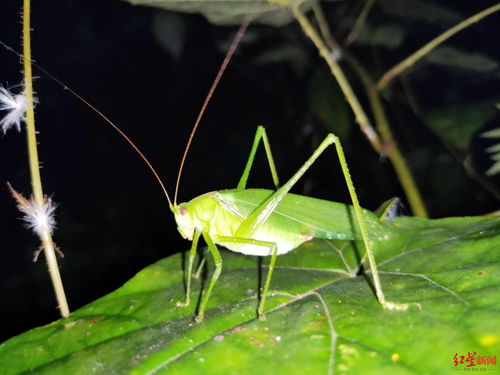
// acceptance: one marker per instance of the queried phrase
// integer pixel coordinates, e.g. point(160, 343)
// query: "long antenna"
point(102, 115)
point(227, 58)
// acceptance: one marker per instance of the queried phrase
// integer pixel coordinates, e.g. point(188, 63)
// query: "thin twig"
point(360, 22)
point(391, 147)
point(335, 48)
point(413, 58)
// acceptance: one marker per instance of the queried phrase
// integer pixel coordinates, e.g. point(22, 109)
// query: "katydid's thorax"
point(296, 219)
point(216, 216)
point(206, 213)
point(219, 215)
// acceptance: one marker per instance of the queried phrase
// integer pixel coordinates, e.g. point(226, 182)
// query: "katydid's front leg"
point(215, 276)
point(192, 254)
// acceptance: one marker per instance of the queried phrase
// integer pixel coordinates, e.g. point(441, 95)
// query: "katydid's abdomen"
point(295, 220)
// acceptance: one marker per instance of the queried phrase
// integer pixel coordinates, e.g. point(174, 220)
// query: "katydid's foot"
point(182, 304)
point(199, 318)
point(399, 306)
point(260, 311)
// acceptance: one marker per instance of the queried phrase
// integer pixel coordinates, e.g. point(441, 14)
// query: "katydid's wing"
point(310, 216)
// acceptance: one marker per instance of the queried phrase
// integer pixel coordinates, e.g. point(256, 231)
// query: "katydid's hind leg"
point(260, 134)
point(260, 214)
point(274, 254)
point(364, 232)
point(218, 268)
point(192, 254)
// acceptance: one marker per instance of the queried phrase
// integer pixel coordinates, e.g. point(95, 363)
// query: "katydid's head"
point(184, 217)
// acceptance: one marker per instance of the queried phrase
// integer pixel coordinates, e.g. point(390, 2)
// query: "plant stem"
point(36, 181)
point(390, 146)
point(337, 72)
point(392, 149)
point(413, 58)
point(325, 29)
point(360, 22)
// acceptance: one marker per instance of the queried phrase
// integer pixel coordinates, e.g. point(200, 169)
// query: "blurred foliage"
point(229, 12)
point(456, 58)
point(458, 124)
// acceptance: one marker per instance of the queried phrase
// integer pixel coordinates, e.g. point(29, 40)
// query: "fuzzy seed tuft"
point(15, 105)
point(39, 218)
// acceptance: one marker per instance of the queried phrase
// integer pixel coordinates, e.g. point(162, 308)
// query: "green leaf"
point(458, 58)
point(320, 318)
point(420, 10)
point(227, 12)
point(385, 35)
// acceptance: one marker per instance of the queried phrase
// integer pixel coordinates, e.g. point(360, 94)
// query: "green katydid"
point(270, 222)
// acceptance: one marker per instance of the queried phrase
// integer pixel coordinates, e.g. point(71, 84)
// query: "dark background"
point(149, 70)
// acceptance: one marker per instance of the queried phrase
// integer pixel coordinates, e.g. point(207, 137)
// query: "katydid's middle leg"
point(274, 254)
point(259, 216)
point(260, 134)
point(218, 268)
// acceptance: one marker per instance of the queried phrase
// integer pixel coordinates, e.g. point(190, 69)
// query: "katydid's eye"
point(183, 211)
